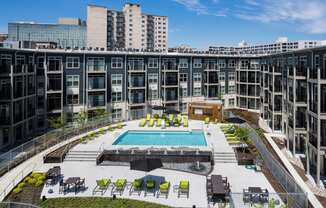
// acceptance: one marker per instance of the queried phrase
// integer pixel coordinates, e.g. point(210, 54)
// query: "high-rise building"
point(128, 29)
point(69, 32)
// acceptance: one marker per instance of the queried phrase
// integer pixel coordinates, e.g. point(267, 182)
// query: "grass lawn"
point(97, 202)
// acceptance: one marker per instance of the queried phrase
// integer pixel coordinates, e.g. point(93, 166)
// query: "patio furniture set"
point(164, 121)
point(149, 186)
point(218, 188)
point(53, 175)
point(75, 184)
point(255, 195)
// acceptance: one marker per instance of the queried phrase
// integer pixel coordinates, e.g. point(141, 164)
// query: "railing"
point(16, 205)
point(18, 155)
point(279, 172)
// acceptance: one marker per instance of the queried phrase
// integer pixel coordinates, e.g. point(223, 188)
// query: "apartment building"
point(126, 29)
point(68, 32)
point(281, 45)
point(287, 89)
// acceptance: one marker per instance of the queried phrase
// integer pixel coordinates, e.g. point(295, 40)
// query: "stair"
point(81, 156)
point(225, 157)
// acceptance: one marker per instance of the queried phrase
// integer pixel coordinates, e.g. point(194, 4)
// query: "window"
point(116, 114)
point(222, 90)
point(72, 99)
point(222, 76)
point(231, 89)
point(184, 92)
point(197, 77)
point(317, 61)
point(183, 63)
point(40, 62)
point(72, 81)
point(152, 78)
point(116, 79)
point(231, 63)
point(221, 63)
point(231, 102)
point(152, 63)
point(153, 93)
point(72, 62)
point(116, 63)
point(197, 91)
point(116, 96)
point(231, 76)
point(95, 64)
point(183, 77)
point(197, 63)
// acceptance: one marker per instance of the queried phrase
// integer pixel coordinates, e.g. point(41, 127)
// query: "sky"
point(198, 23)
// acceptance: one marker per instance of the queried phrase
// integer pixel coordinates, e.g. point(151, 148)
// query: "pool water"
point(162, 138)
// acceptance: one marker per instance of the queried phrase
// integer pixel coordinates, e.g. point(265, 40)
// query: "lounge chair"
point(183, 188)
point(179, 118)
point(151, 122)
point(101, 186)
point(136, 186)
point(171, 117)
point(150, 187)
point(148, 117)
point(164, 189)
point(185, 123)
point(142, 122)
point(207, 120)
point(159, 122)
point(167, 123)
point(156, 116)
point(119, 186)
point(176, 123)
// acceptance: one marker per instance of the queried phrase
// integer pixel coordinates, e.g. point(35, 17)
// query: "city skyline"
point(249, 20)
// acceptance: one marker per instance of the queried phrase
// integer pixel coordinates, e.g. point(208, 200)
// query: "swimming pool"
point(162, 138)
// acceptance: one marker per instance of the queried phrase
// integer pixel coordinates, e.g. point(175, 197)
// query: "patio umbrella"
point(147, 164)
point(172, 111)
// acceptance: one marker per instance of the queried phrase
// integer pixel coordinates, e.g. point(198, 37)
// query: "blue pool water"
point(162, 138)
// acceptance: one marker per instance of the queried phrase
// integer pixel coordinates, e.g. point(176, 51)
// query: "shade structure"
point(158, 107)
point(172, 111)
point(147, 164)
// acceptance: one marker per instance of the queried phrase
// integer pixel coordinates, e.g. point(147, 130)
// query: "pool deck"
point(238, 176)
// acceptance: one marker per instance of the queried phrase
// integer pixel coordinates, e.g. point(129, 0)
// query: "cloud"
point(203, 8)
point(307, 13)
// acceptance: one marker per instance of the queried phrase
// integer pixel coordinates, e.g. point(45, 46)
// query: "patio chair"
point(246, 196)
point(62, 187)
point(136, 186)
point(142, 122)
point(164, 189)
point(207, 120)
point(150, 186)
point(101, 186)
point(183, 188)
point(81, 184)
point(119, 186)
point(151, 122)
point(148, 117)
point(159, 122)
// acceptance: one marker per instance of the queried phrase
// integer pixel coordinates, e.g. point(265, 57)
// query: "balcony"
point(136, 66)
point(96, 100)
point(96, 83)
point(210, 66)
point(169, 65)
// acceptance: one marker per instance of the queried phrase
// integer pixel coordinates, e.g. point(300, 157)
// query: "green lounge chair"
point(183, 188)
point(179, 118)
point(185, 123)
point(101, 186)
point(150, 187)
point(119, 186)
point(207, 120)
point(156, 116)
point(171, 117)
point(148, 117)
point(159, 122)
point(136, 186)
point(142, 122)
point(167, 123)
point(151, 122)
point(164, 189)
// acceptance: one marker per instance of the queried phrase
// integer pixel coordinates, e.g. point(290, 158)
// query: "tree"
point(81, 117)
point(57, 122)
point(100, 113)
point(242, 134)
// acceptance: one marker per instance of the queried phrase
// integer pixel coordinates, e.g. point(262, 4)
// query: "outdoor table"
point(255, 194)
point(54, 172)
point(218, 187)
point(72, 181)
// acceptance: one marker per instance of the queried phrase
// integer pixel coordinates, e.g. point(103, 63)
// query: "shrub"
point(32, 181)
point(21, 185)
point(26, 179)
point(17, 190)
point(39, 183)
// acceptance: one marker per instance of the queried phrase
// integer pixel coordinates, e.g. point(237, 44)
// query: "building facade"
point(287, 89)
point(126, 29)
point(69, 32)
point(280, 46)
